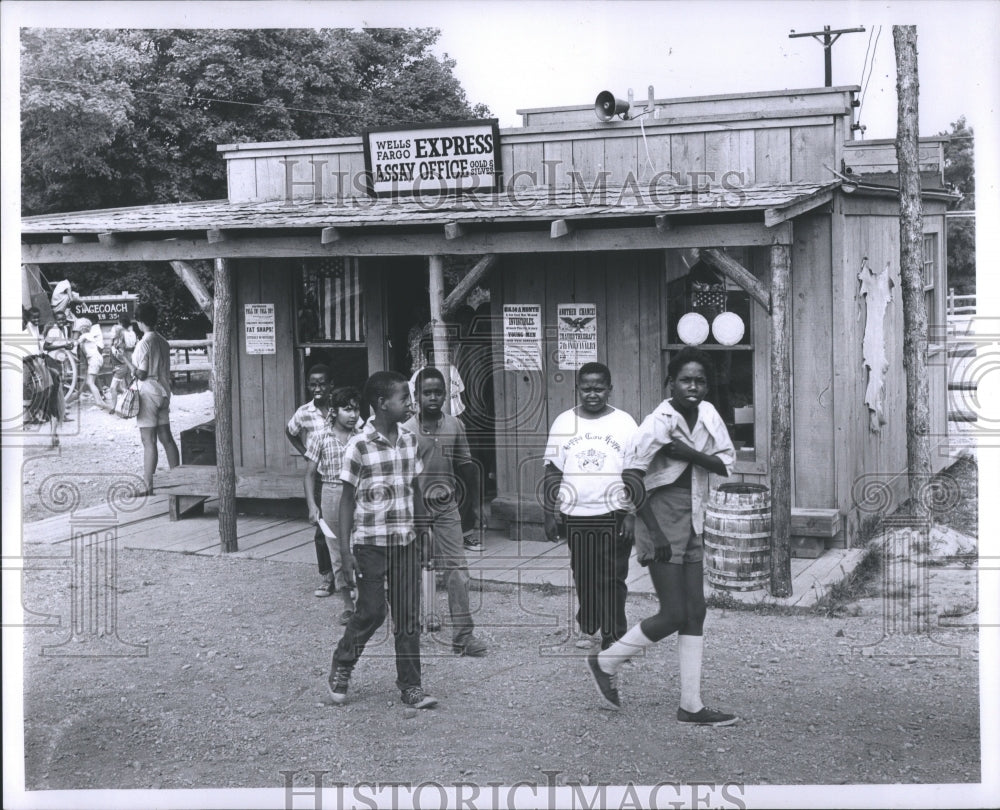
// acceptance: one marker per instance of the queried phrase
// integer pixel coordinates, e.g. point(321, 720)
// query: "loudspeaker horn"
point(607, 106)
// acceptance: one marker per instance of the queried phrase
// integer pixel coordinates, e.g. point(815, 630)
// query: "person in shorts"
point(91, 340)
point(151, 360)
point(667, 465)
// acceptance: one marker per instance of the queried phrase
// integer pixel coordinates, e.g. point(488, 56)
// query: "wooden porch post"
point(442, 360)
point(226, 467)
point(781, 423)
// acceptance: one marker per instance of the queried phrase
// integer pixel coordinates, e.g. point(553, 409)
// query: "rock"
point(409, 713)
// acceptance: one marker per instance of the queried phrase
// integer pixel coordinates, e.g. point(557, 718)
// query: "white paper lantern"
point(728, 328)
point(692, 329)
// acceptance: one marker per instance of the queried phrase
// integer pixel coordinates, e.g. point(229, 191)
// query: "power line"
point(196, 98)
point(871, 70)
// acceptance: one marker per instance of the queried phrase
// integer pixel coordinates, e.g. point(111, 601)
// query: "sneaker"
point(472, 541)
point(605, 683)
point(337, 684)
point(706, 717)
point(472, 647)
point(326, 587)
point(417, 698)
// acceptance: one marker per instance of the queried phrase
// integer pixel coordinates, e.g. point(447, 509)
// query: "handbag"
point(127, 406)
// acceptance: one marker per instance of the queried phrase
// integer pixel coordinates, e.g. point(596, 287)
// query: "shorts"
point(94, 363)
point(154, 406)
point(671, 507)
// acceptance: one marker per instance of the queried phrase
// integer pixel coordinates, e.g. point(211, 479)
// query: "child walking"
point(667, 467)
point(380, 513)
point(306, 420)
point(325, 454)
point(443, 449)
point(583, 464)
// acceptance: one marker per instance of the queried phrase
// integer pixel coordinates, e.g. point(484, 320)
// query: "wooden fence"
point(192, 357)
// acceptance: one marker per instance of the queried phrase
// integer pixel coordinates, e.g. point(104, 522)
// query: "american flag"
point(708, 296)
point(335, 284)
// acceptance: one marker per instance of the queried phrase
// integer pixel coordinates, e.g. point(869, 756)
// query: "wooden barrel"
point(738, 537)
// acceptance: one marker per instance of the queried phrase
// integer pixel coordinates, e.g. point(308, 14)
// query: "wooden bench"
point(190, 485)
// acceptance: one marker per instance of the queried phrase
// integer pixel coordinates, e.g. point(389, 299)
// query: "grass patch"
point(862, 582)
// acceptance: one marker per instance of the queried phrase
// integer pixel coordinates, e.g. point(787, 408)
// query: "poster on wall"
point(258, 321)
point(577, 335)
point(522, 337)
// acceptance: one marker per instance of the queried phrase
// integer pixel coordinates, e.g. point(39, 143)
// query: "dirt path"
point(227, 687)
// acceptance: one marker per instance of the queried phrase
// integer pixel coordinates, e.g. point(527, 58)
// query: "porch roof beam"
point(738, 274)
point(745, 234)
point(775, 216)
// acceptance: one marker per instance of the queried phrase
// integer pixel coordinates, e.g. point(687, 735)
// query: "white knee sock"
point(632, 643)
point(689, 651)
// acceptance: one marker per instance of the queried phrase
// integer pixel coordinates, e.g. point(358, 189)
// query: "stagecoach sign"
point(433, 159)
point(106, 308)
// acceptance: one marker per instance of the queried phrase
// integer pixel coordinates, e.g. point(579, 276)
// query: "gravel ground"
point(227, 686)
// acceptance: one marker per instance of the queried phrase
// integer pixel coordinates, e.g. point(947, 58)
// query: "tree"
point(959, 174)
point(115, 118)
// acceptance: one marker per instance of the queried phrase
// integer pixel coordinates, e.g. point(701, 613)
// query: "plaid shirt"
point(383, 476)
point(305, 421)
point(327, 451)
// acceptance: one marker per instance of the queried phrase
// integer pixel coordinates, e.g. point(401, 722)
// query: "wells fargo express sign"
point(434, 158)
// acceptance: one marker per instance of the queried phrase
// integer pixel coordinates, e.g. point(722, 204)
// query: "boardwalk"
point(289, 540)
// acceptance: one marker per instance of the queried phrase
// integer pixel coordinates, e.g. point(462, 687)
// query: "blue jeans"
point(400, 566)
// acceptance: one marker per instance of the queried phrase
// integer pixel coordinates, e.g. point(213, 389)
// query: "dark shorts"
point(672, 508)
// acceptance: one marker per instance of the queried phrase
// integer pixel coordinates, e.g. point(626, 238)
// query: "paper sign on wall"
point(258, 321)
point(577, 335)
point(522, 337)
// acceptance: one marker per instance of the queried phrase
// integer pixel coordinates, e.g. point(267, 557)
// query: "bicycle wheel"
point(68, 374)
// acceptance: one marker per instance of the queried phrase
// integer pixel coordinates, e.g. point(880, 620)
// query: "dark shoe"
point(417, 698)
point(472, 647)
point(337, 684)
point(472, 541)
point(326, 587)
point(605, 683)
point(706, 717)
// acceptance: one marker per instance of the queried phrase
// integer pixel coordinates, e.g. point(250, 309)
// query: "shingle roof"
point(528, 204)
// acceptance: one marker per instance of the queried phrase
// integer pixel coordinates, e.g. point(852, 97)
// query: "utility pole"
point(829, 37)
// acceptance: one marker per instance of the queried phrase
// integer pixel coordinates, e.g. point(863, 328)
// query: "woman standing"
point(151, 359)
point(667, 467)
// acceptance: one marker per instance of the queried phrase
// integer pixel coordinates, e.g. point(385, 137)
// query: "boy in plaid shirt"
point(325, 454)
point(381, 516)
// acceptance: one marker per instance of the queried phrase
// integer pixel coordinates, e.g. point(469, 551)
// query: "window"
point(330, 322)
point(935, 329)
point(701, 289)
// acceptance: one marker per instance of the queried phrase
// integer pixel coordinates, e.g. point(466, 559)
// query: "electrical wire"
point(197, 98)
point(871, 69)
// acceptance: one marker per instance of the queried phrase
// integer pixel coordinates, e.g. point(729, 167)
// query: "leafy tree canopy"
point(126, 117)
point(115, 118)
point(959, 173)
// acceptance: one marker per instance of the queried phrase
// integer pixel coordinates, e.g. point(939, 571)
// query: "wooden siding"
point(870, 227)
point(264, 385)
point(812, 364)
point(773, 104)
point(625, 287)
point(778, 152)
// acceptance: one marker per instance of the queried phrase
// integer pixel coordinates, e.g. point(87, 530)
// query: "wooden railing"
point(192, 356)
point(961, 304)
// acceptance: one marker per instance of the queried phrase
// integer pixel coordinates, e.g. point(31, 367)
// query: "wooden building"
point(761, 205)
